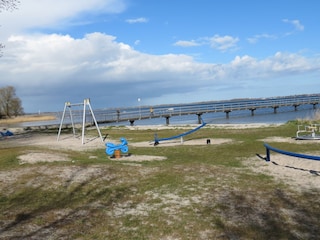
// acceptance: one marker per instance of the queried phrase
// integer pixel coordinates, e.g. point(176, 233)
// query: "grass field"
point(198, 192)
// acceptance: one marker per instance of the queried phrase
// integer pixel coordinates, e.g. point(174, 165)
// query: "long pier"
point(167, 111)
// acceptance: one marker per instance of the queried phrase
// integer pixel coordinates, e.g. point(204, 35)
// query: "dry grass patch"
point(27, 118)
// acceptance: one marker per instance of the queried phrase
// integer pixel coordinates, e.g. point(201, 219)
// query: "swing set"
point(85, 104)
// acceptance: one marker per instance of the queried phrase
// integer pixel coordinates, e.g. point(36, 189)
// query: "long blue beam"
point(293, 154)
point(180, 135)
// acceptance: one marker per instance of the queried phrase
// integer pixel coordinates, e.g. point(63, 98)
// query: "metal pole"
point(95, 121)
point(64, 110)
point(71, 118)
point(139, 107)
point(84, 119)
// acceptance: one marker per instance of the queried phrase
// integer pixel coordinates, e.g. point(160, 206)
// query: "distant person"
point(151, 111)
point(118, 114)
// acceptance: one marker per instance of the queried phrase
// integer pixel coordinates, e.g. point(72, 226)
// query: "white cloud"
point(33, 14)
point(296, 23)
point(48, 70)
point(257, 37)
point(223, 43)
point(137, 42)
point(297, 27)
point(191, 43)
point(137, 20)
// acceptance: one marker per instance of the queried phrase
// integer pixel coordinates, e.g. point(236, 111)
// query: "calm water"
point(265, 115)
point(283, 115)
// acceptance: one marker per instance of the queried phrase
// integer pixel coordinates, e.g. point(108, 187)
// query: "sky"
point(123, 53)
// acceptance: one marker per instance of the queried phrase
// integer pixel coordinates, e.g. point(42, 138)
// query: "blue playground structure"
point(6, 133)
point(158, 140)
point(292, 154)
point(123, 147)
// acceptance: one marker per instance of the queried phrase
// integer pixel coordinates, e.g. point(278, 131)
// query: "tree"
point(10, 104)
point(7, 5)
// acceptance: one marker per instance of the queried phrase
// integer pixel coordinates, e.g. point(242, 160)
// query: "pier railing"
point(166, 111)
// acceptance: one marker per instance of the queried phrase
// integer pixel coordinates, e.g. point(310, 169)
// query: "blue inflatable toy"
point(123, 147)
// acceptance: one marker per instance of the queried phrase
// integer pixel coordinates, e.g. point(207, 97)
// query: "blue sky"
point(168, 51)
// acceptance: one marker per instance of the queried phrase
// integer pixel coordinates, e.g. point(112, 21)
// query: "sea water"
point(263, 115)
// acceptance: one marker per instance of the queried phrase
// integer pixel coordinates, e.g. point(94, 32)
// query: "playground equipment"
point(86, 102)
point(310, 132)
point(269, 148)
point(7, 133)
point(158, 140)
point(112, 148)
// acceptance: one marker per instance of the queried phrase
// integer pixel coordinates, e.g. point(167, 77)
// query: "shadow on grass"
point(242, 215)
point(74, 204)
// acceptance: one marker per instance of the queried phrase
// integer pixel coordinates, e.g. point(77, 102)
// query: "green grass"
point(199, 192)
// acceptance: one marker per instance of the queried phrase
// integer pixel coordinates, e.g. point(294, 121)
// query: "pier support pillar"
point(227, 113)
point(275, 109)
point(167, 120)
point(252, 111)
point(199, 118)
point(296, 107)
point(314, 105)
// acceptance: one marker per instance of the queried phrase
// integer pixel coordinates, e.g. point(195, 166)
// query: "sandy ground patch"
point(289, 140)
point(138, 158)
point(69, 142)
point(298, 172)
point(65, 142)
point(35, 157)
point(177, 142)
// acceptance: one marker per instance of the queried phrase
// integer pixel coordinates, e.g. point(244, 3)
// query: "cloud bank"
point(48, 70)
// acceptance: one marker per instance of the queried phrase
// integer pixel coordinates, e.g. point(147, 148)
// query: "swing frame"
point(86, 102)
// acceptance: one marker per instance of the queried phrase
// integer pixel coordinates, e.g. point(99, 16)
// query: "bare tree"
point(7, 5)
point(10, 104)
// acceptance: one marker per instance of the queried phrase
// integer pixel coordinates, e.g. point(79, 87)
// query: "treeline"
point(10, 104)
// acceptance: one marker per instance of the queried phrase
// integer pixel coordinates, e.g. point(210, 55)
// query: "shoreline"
point(191, 126)
point(16, 121)
point(18, 129)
